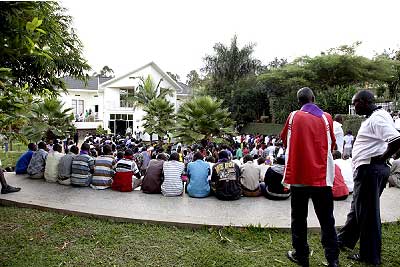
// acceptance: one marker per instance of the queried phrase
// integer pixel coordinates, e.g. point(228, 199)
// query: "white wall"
point(89, 99)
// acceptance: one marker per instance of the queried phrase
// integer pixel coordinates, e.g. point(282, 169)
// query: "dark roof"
point(186, 90)
point(92, 83)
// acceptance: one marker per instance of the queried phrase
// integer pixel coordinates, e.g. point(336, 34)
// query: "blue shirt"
point(198, 172)
point(23, 162)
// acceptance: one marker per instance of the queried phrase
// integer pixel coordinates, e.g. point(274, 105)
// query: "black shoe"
point(9, 189)
point(334, 264)
point(291, 254)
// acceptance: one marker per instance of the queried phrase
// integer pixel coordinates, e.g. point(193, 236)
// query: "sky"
point(178, 34)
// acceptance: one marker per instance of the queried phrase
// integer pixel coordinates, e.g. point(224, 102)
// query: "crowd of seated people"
point(252, 167)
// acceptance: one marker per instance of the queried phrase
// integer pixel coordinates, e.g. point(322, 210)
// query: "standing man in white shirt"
point(377, 140)
point(348, 144)
point(338, 131)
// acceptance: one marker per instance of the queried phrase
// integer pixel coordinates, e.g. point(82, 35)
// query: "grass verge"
point(30, 237)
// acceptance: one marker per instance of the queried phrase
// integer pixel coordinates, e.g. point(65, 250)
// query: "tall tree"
point(56, 51)
point(148, 90)
point(227, 66)
point(203, 119)
point(48, 119)
point(106, 72)
point(159, 118)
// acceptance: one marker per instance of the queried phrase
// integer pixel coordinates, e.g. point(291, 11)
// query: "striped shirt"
point(126, 165)
point(80, 172)
point(172, 185)
point(103, 172)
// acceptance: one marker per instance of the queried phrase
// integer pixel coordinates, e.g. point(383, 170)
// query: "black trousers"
point(364, 219)
point(322, 199)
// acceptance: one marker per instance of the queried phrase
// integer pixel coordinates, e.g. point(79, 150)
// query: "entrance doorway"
point(120, 127)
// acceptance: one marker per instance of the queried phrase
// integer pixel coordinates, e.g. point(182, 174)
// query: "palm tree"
point(159, 118)
point(203, 119)
point(48, 119)
point(148, 90)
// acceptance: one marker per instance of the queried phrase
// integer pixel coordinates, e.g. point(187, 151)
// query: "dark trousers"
point(364, 219)
point(322, 199)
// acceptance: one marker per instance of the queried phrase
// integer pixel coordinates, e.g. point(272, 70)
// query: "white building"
point(106, 99)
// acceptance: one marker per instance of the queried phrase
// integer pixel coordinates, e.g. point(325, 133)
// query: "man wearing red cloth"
point(309, 139)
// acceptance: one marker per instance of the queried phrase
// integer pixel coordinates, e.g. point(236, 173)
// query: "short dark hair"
point(162, 156)
point(128, 152)
point(174, 156)
point(247, 158)
point(57, 147)
point(85, 147)
point(42, 145)
point(223, 155)
point(197, 156)
point(107, 150)
point(260, 160)
point(280, 160)
point(74, 149)
point(31, 146)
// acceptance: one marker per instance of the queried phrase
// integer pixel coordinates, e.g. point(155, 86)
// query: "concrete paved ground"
point(139, 207)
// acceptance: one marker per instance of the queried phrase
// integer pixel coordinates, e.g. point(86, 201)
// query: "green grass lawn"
point(35, 238)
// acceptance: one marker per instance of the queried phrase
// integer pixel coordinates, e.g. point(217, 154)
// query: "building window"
point(77, 106)
point(125, 96)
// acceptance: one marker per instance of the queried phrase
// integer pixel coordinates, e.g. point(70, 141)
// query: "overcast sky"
point(177, 34)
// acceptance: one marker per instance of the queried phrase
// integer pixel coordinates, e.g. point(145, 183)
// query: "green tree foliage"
point(159, 118)
point(106, 72)
point(48, 119)
point(334, 77)
point(193, 79)
point(147, 91)
point(50, 50)
point(203, 118)
point(227, 66)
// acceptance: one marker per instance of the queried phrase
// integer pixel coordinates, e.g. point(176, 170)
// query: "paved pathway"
point(139, 207)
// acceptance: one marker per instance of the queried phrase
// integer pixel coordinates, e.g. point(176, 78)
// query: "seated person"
point(198, 171)
point(345, 168)
point(250, 178)
point(65, 166)
point(339, 188)
point(52, 161)
point(125, 169)
point(38, 162)
point(173, 170)
point(82, 167)
point(272, 188)
point(225, 178)
point(103, 169)
point(154, 175)
point(263, 166)
point(394, 177)
point(23, 162)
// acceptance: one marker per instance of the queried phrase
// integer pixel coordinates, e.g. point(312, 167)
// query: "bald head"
point(366, 96)
point(338, 118)
point(363, 102)
point(305, 95)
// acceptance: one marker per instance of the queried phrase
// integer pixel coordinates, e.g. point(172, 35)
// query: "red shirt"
point(339, 188)
point(308, 158)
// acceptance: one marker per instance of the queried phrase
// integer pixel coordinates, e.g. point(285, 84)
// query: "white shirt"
point(51, 168)
point(338, 131)
point(397, 123)
point(348, 140)
point(347, 172)
point(373, 137)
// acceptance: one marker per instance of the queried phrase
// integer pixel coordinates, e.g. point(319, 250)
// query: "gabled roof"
point(155, 66)
point(92, 83)
point(186, 90)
